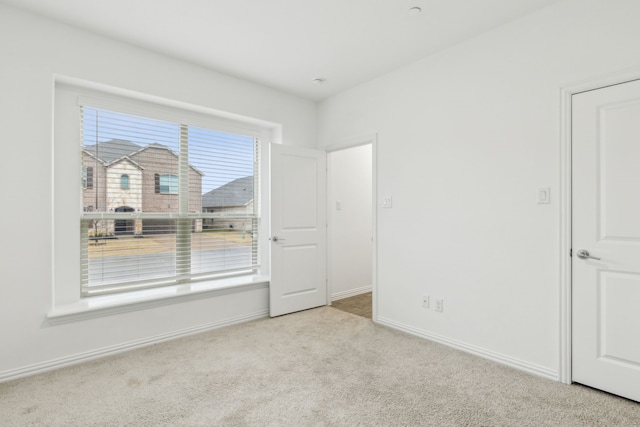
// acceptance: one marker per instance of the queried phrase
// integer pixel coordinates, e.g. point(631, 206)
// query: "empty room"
point(336, 212)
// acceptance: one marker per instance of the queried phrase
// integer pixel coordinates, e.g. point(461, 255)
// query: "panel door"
point(298, 228)
point(606, 224)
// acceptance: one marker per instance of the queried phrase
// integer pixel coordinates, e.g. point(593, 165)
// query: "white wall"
point(350, 263)
point(464, 139)
point(32, 51)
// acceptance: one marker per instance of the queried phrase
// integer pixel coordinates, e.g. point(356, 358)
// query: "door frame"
point(565, 196)
point(344, 144)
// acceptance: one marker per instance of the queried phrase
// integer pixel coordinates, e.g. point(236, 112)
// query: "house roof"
point(127, 159)
point(111, 150)
point(114, 150)
point(238, 192)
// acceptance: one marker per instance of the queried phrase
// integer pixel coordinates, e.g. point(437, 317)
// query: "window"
point(90, 178)
point(191, 211)
point(167, 184)
point(87, 178)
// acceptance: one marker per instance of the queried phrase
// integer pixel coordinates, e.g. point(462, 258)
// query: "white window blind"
point(187, 209)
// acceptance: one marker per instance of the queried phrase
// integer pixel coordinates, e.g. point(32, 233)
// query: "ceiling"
point(285, 44)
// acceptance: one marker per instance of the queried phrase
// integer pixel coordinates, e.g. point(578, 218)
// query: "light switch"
point(387, 202)
point(338, 205)
point(544, 196)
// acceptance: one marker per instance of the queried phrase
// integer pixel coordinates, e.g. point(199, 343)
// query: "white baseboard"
point(120, 348)
point(477, 351)
point(350, 293)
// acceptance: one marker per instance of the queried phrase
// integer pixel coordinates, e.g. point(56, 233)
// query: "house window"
point(168, 184)
point(208, 230)
point(87, 177)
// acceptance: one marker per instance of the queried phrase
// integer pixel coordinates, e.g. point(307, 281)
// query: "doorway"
point(350, 219)
point(360, 305)
point(605, 238)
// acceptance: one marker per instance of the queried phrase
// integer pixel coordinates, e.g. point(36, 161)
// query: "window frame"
point(69, 95)
point(124, 181)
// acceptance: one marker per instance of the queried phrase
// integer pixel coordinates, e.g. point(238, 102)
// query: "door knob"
point(275, 239)
point(584, 254)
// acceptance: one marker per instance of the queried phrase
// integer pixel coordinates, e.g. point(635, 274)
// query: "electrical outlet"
point(439, 305)
point(425, 301)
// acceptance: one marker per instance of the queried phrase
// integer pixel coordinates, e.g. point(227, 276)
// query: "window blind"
point(164, 202)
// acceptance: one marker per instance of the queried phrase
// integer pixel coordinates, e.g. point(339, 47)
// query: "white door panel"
point(606, 222)
point(298, 224)
point(302, 176)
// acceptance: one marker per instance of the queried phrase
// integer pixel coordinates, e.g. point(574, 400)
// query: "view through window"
point(164, 202)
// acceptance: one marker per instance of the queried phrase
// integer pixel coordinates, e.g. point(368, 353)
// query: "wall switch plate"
point(387, 202)
point(425, 301)
point(544, 195)
point(338, 205)
point(439, 305)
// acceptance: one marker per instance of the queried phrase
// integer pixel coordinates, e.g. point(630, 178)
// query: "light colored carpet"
point(321, 367)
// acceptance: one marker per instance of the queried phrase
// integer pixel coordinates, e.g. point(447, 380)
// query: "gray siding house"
point(234, 198)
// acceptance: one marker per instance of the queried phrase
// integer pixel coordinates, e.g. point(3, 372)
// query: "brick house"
point(121, 176)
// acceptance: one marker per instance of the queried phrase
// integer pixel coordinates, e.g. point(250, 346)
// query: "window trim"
point(163, 109)
point(140, 299)
point(66, 258)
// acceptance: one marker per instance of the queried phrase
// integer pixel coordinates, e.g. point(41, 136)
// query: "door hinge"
point(570, 252)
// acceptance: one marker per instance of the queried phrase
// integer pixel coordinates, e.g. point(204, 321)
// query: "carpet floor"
point(320, 367)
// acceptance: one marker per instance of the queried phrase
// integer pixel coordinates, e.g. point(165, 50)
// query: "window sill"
point(106, 305)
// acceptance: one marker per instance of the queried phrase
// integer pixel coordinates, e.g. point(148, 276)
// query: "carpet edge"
point(512, 362)
point(50, 365)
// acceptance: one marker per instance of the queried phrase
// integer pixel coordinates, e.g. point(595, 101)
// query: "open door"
point(299, 229)
point(606, 239)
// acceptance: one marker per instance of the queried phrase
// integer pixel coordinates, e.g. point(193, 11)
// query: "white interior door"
point(606, 223)
point(298, 229)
